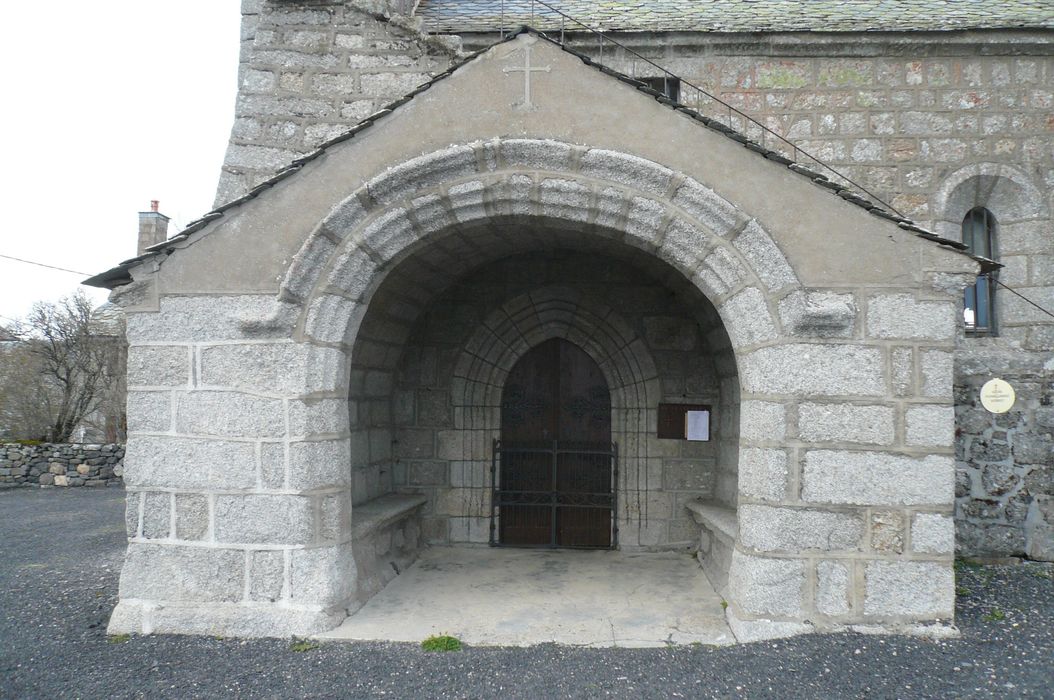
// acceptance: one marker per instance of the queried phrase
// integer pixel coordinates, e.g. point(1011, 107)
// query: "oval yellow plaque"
point(997, 396)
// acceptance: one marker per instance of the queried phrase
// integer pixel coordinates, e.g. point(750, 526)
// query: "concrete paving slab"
point(520, 597)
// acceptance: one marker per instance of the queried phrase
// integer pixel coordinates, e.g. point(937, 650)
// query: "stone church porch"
point(520, 597)
point(282, 394)
point(451, 394)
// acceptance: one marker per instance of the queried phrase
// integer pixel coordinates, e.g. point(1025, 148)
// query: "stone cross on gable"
point(527, 70)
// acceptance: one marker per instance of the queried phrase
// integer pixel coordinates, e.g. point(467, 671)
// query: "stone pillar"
point(237, 473)
point(847, 472)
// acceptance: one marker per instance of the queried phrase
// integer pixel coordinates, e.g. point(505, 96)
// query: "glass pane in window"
point(983, 305)
point(977, 230)
point(970, 306)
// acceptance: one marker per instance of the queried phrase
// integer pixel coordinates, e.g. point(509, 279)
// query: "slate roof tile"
point(462, 16)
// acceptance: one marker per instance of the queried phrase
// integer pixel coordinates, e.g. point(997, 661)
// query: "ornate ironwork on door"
point(555, 468)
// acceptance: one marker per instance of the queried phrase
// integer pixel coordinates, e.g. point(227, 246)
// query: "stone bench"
point(381, 512)
point(719, 527)
point(385, 540)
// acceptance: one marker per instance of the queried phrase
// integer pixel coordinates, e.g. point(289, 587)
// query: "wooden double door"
point(556, 464)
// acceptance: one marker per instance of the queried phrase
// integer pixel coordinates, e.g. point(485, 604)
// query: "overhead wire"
point(1019, 294)
point(50, 267)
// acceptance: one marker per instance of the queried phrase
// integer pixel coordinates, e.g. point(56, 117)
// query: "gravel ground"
point(61, 554)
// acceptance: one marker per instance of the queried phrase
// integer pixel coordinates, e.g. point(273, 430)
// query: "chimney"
point(153, 227)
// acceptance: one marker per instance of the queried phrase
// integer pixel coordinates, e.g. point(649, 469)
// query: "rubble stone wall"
point(63, 465)
point(896, 118)
point(1005, 478)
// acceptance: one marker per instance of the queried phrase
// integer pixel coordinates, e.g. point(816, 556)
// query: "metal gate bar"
point(553, 499)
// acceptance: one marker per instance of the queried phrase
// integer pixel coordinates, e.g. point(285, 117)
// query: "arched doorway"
point(555, 464)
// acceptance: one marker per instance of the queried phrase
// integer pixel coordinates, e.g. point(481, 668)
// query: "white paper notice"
point(697, 425)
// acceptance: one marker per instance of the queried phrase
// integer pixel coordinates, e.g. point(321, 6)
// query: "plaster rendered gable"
point(248, 248)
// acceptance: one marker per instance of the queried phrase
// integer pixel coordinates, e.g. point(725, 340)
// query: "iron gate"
point(557, 494)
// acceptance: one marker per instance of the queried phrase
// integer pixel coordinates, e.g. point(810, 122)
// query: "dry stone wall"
point(62, 465)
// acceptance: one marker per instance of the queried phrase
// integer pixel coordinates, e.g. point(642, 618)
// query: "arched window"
point(978, 306)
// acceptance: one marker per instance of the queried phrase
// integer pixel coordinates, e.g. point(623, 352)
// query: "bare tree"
point(64, 368)
point(108, 423)
point(22, 414)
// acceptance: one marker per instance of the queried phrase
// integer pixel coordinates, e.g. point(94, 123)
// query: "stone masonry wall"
point(902, 114)
point(233, 498)
point(60, 465)
point(895, 113)
point(309, 70)
point(1005, 480)
point(658, 476)
point(894, 119)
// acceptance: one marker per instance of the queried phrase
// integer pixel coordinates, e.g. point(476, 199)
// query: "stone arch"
point(441, 214)
point(525, 322)
point(1020, 215)
point(438, 216)
point(718, 247)
point(1003, 189)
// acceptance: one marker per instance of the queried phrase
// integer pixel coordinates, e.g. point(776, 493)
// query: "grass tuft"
point(302, 645)
point(441, 642)
point(118, 638)
point(996, 615)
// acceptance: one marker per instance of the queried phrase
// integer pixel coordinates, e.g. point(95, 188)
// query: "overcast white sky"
point(108, 105)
